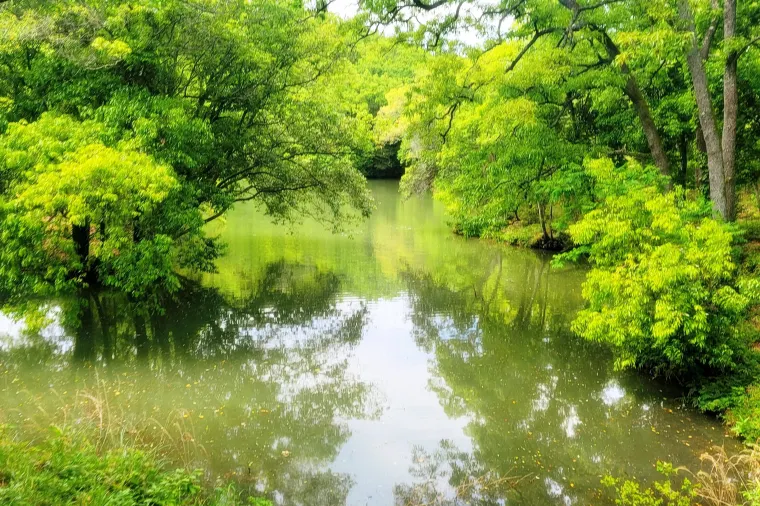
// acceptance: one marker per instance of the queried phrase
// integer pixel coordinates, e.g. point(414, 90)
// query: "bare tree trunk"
point(542, 219)
point(706, 115)
point(730, 110)
point(699, 167)
point(641, 106)
point(80, 234)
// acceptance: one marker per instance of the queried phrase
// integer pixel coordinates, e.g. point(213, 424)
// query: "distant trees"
point(675, 68)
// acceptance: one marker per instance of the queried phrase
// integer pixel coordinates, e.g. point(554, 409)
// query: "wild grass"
point(723, 480)
point(108, 423)
point(729, 480)
point(95, 451)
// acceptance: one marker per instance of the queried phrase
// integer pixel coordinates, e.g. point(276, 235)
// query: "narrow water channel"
point(398, 364)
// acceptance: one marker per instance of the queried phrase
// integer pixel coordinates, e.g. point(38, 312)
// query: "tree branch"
point(536, 35)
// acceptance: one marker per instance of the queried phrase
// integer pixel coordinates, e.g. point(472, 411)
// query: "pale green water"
point(390, 367)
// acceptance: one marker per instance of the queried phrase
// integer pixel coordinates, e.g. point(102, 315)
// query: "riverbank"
point(732, 394)
point(63, 467)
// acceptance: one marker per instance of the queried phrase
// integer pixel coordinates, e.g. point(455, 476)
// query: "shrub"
point(723, 480)
point(744, 414)
point(664, 289)
point(661, 493)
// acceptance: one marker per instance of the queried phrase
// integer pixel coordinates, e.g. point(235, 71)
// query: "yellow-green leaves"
point(663, 289)
point(111, 49)
point(57, 175)
point(99, 183)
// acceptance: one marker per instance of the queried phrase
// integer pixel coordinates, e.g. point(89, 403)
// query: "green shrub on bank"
point(665, 289)
point(671, 290)
point(64, 470)
point(744, 414)
point(662, 493)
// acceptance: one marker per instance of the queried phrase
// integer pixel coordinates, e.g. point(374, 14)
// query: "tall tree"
point(626, 35)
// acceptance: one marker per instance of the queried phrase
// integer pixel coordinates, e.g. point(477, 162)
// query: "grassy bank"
point(65, 468)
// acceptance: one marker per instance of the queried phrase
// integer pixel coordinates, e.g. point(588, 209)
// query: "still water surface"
point(397, 365)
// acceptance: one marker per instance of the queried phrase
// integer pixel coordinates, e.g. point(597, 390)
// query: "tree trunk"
point(699, 167)
point(683, 149)
point(707, 122)
point(730, 110)
point(80, 234)
point(542, 219)
point(641, 106)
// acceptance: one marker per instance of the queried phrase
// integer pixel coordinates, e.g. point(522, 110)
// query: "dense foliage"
point(179, 109)
point(664, 289)
point(499, 130)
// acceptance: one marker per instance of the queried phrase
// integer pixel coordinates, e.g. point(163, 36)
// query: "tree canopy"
point(658, 81)
point(129, 125)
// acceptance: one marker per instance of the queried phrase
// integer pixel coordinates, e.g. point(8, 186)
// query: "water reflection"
point(400, 365)
point(449, 476)
point(540, 404)
point(254, 390)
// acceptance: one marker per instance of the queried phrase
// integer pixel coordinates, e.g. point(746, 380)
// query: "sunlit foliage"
point(202, 104)
point(664, 290)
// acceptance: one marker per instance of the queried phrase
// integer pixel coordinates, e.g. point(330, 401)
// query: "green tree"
point(668, 59)
point(232, 100)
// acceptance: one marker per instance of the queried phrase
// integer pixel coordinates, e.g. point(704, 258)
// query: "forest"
point(622, 136)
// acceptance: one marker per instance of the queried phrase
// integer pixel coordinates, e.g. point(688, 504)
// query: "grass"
point(67, 469)
point(723, 480)
point(95, 452)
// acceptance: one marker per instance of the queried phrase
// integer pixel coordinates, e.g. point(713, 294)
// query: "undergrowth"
point(723, 480)
point(66, 468)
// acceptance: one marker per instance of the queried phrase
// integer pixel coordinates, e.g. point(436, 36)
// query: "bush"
point(723, 480)
point(744, 414)
point(664, 289)
point(661, 493)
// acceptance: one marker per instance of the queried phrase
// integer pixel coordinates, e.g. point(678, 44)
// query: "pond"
point(399, 364)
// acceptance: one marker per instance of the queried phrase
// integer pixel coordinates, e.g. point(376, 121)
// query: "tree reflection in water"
point(539, 403)
point(253, 390)
point(451, 477)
